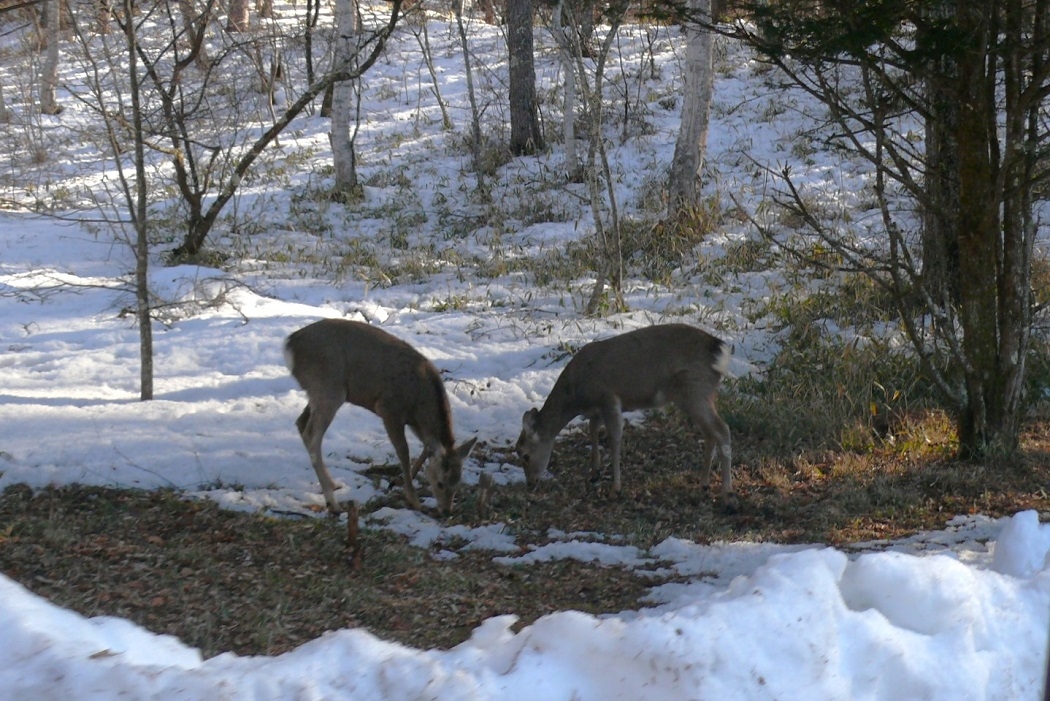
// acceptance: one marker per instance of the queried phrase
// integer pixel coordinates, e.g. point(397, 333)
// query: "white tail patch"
point(721, 362)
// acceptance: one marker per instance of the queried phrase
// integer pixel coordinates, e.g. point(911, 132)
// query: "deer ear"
point(464, 449)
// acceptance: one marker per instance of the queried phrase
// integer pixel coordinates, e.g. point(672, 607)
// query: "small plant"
point(747, 256)
point(661, 249)
point(822, 391)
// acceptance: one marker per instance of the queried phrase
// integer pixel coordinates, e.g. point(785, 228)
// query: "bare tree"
point(419, 26)
point(5, 112)
point(112, 101)
point(568, 49)
point(597, 168)
point(192, 27)
point(205, 197)
point(136, 205)
point(475, 113)
point(313, 11)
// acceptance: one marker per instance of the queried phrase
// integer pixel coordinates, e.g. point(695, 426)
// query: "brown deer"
point(338, 361)
point(643, 369)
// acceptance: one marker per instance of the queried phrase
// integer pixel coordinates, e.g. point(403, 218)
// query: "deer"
point(642, 369)
point(339, 361)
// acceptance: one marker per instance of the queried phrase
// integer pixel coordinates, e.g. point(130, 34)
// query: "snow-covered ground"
point(962, 613)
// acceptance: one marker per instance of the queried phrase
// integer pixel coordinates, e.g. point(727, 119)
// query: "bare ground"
point(256, 584)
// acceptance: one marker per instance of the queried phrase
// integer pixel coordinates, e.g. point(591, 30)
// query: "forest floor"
point(257, 584)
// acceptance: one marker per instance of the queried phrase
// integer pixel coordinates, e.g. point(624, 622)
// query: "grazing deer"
point(643, 369)
point(338, 361)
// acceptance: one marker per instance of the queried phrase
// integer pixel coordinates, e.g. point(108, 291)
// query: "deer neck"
point(555, 415)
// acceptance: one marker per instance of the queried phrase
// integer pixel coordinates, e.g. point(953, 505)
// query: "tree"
point(475, 112)
point(137, 104)
point(135, 195)
point(684, 183)
point(568, 49)
point(239, 16)
point(344, 94)
point(49, 69)
point(525, 135)
point(597, 168)
point(976, 74)
point(111, 101)
point(190, 154)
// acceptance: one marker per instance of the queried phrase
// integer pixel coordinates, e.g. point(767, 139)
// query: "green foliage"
point(822, 393)
point(819, 28)
point(822, 390)
point(853, 301)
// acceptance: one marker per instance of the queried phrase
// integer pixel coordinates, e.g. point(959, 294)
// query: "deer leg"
point(612, 416)
point(716, 441)
point(396, 432)
point(312, 424)
point(595, 427)
point(710, 450)
point(423, 457)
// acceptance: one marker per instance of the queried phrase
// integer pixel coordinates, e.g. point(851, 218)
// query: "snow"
point(961, 613)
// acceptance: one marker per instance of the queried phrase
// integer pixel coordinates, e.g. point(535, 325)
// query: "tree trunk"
point(525, 136)
point(104, 11)
point(313, 9)
point(940, 247)
point(49, 69)
point(423, 37)
point(5, 113)
point(194, 25)
point(238, 19)
point(566, 53)
point(343, 100)
point(475, 113)
point(995, 233)
point(139, 215)
point(684, 184)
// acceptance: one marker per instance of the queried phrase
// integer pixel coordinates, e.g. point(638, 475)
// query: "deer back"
point(642, 368)
point(371, 368)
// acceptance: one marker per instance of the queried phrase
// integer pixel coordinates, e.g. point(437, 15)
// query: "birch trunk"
point(49, 69)
point(684, 183)
point(343, 99)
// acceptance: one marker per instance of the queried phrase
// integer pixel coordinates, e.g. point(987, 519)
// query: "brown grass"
point(253, 584)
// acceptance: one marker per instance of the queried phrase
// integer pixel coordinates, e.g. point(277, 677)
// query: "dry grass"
point(227, 581)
